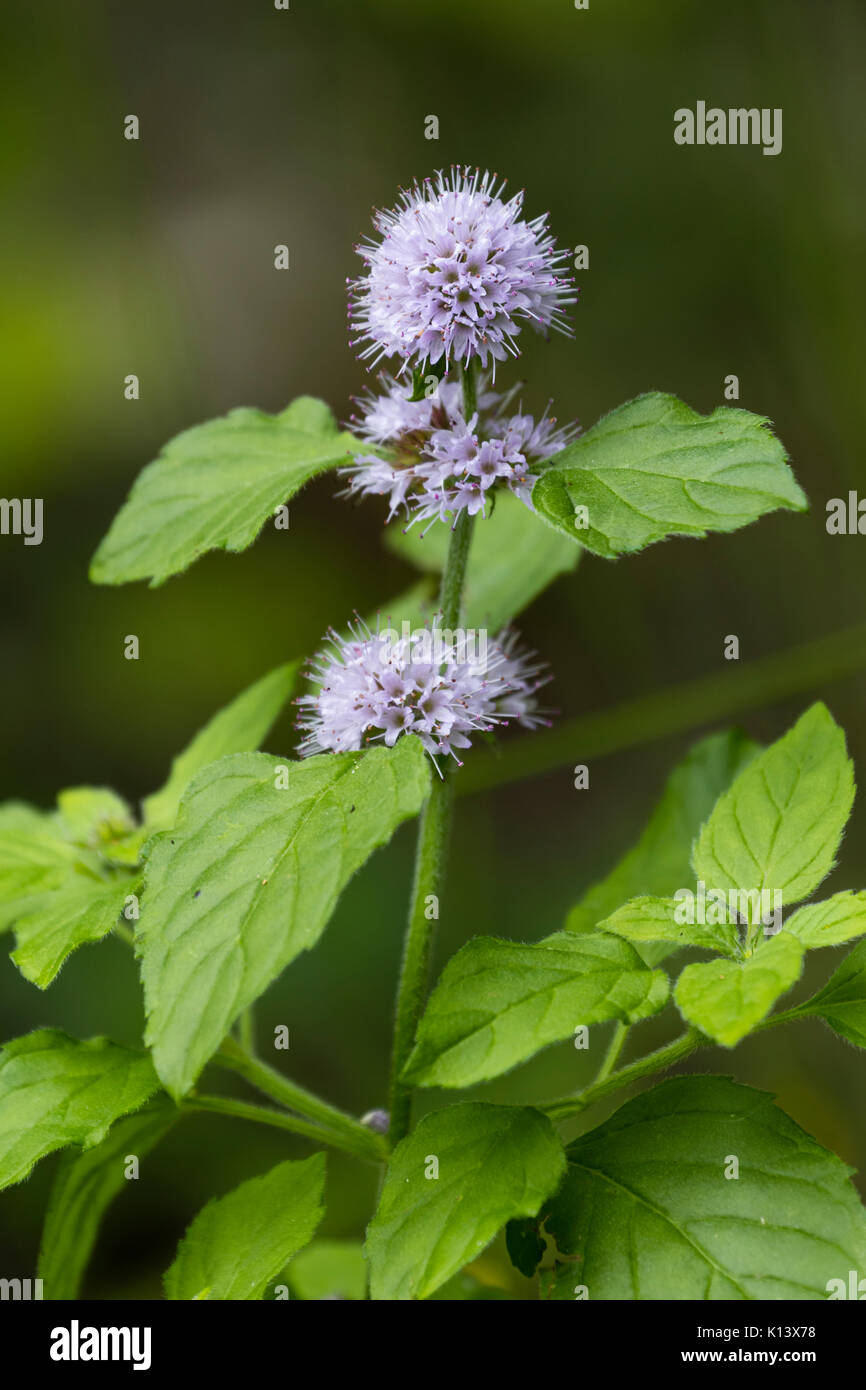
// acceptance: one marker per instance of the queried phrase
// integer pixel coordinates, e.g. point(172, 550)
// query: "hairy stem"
point(645, 1066)
point(620, 1033)
point(241, 1110)
point(432, 845)
point(356, 1137)
point(606, 1083)
point(430, 858)
point(470, 392)
point(786, 1016)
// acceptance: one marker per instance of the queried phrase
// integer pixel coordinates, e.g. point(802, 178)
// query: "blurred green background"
point(261, 127)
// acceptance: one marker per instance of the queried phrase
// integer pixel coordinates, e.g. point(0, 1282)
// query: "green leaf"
point(660, 862)
point(779, 825)
point(41, 854)
point(654, 468)
point(215, 486)
point(654, 919)
point(55, 1090)
point(84, 1187)
point(512, 559)
point(842, 1001)
point(93, 816)
point(838, 919)
point(647, 1212)
point(34, 860)
point(97, 819)
point(329, 1269)
point(498, 1002)
point(465, 1288)
point(238, 728)
point(81, 911)
point(494, 1162)
point(725, 999)
point(248, 879)
point(238, 1243)
point(18, 815)
point(125, 852)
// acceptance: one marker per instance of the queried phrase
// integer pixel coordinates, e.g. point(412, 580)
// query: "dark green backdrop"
point(261, 127)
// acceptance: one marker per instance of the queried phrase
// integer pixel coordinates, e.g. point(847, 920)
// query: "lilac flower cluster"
point(373, 687)
point(441, 463)
point(454, 276)
point(455, 273)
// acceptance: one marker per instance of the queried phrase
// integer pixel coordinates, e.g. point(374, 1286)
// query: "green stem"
point(241, 1110)
point(786, 1016)
point(432, 844)
point(620, 1033)
point(470, 392)
point(605, 1083)
point(430, 858)
point(357, 1138)
point(645, 1066)
point(451, 593)
point(689, 705)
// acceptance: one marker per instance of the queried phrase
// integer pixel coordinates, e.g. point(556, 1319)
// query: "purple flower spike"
point(455, 273)
point(442, 686)
point(439, 462)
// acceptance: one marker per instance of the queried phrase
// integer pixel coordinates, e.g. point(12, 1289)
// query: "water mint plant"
point(696, 1187)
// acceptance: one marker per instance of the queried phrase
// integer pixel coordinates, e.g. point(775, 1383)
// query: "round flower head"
point(456, 272)
point(439, 463)
point(442, 686)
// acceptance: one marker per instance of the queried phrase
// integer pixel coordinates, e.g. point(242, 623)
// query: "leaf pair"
point(499, 1002)
point(698, 1189)
point(770, 839)
point(649, 469)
